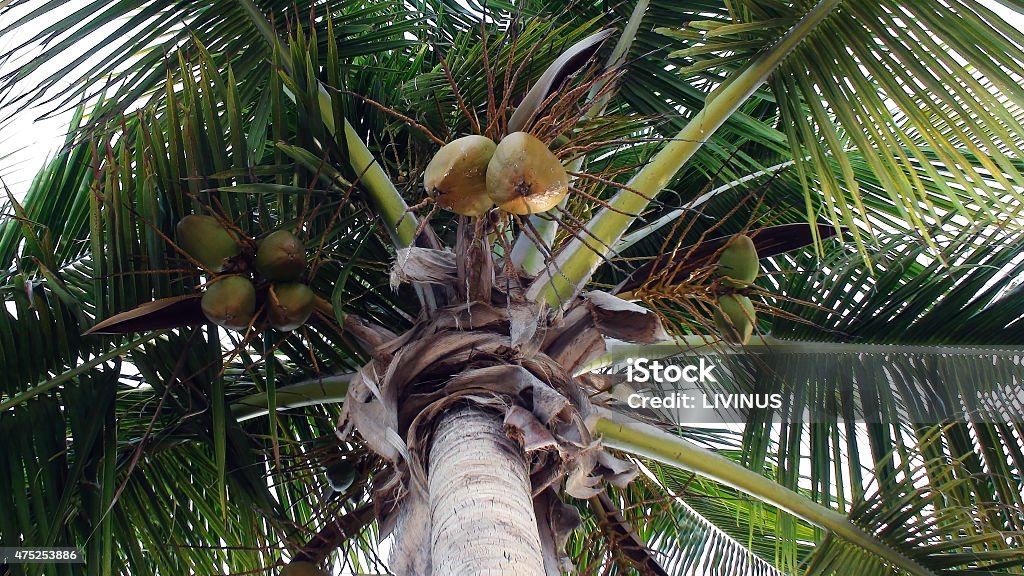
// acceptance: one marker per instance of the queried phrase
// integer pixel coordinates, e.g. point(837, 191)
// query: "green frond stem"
point(385, 199)
point(575, 264)
point(79, 370)
point(329, 390)
point(622, 433)
point(526, 254)
point(383, 195)
point(618, 57)
point(706, 344)
point(632, 238)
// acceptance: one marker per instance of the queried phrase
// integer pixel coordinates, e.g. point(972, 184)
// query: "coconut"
point(738, 264)
point(281, 257)
point(456, 176)
point(735, 317)
point(230, 302)
point(290, 305)
point(206, 241)
point(341, 475)
point(524, 177)
point(300, 568)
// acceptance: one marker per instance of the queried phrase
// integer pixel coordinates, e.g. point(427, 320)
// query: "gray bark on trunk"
point(482, 517)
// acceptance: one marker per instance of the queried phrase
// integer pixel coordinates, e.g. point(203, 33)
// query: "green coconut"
point(524, 177)
point(290, 305)
point(735, 317)
point(281, 257)
point(230, 302)
point(456, 176)
point(341, 475)
point(738, 265)
point(300, 568)
point(206, 241)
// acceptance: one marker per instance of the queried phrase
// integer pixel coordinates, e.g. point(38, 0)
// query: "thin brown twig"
point(594, 145)
point(397, 114)
point(474, 122)
point(491, 109)
point(501, 116)
point(611, 183)
point(515, 76)
point(318, 253)
point(578, 226)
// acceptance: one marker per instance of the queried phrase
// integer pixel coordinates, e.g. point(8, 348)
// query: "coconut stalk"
point(574, 265)
point(622, 433)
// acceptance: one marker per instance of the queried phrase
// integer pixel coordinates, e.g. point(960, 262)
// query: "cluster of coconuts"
point(737, 268)
point(230, 297)
point(519, 174)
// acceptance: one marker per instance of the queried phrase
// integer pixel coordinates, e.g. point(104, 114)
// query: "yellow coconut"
point(290, 305)
point(205, 240)
point(738, 265)
point(281, 256)
point(524, 177)
point(300, 568)
point(456, 176)
point(735, 317)
point(230, 302)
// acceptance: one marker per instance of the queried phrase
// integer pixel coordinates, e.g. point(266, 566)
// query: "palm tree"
point(452, 387)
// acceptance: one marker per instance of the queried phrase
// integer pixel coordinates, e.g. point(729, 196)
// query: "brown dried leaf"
point(581, 484)
point(371, 413)
point(164, 313)
point(622, 320)
point(525, 428)
point(523, 322)
point(556, 520)
point(548, 404)
point(616, 471)
point(575, 341)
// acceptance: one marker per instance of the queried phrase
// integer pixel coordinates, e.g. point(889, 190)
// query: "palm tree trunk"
point(482, 518)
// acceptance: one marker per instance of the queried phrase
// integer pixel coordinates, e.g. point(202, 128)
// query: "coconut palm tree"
point(454, 387)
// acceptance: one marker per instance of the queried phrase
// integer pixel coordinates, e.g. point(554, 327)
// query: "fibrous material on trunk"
point(477, 409)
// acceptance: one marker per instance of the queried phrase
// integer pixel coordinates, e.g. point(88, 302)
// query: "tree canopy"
point(877, 166)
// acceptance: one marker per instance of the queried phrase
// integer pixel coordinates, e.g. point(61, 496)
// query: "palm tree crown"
point(254, 316)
